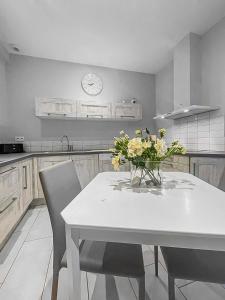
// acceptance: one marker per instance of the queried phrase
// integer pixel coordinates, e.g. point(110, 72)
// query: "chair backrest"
point(60, 186)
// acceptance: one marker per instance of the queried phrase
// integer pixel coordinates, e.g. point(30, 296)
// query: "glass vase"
point(146, 174)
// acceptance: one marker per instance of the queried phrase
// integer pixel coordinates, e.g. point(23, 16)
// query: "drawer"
point(9, 215)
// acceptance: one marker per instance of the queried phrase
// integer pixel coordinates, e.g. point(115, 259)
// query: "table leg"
point(73, 263)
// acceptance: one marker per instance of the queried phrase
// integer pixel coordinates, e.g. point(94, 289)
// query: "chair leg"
point(156, 255)
point(171, 287)
point(54, 288)
point(141, 288)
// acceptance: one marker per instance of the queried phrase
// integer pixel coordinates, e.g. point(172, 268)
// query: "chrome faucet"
point(69, 147)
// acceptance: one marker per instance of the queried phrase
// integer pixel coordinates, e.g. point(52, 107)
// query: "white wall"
point(3, 93)
point(29, 77)
point(164, 95)
point(213, 66)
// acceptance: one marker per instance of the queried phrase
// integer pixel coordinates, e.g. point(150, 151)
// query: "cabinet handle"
point(127, 117)
point(94, 105)
point(25, 177)
point(95, 116)
point(56, 114)
point(11, 201)
point(6, 171)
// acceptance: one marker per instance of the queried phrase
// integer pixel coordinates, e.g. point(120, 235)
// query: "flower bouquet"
point(145, 152)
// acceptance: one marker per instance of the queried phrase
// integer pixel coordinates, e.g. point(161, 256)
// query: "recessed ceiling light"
point(162, 117)
point(186, 110)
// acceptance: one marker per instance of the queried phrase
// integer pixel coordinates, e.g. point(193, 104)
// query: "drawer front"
point(10, 206)
point(9, 182)
point(9, 216)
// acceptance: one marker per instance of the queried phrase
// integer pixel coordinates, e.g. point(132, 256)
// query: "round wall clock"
point(92, 84)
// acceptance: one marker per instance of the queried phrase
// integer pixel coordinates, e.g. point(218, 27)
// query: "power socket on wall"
point(19, 138)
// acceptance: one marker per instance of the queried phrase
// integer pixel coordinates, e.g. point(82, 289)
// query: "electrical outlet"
point(19, 138)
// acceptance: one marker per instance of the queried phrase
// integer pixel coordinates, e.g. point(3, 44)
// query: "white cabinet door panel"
point(86, 167)
point(127, 111)
point(211, 170)
point(45, 162)
point(94, 110)
point(55, 108)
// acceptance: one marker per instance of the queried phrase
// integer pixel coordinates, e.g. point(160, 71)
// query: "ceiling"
point(135, 35)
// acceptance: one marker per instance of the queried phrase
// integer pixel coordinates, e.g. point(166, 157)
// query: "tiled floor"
point(26, 271)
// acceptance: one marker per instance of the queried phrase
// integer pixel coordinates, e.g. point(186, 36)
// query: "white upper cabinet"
point(52, 108)
point(127, 111)
point(55, 108)
point(94, 110)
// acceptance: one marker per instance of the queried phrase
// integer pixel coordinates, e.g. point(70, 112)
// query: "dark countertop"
point(6, 159)
point(215, 154)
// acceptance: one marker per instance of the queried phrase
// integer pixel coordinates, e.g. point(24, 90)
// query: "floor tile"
point(203, 291)
point(156, 288)
point(109, 288)
point(26, 278)
point(41, 227)
point(28, 220)
point(9, 253)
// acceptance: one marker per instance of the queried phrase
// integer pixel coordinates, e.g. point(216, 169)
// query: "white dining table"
point(184, 212)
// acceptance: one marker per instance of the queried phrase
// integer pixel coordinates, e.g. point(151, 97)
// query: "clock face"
point(92, 84)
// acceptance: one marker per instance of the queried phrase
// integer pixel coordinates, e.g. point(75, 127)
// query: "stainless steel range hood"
point(187, 99)
point(186, 112)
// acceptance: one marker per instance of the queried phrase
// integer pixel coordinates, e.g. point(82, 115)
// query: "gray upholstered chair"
point(192, 264)
point(61, 185)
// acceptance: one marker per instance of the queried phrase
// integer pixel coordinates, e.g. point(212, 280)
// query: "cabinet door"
point(45, 162)
point(93, 110)
point(10, 208)
point(211, 170)
point(127, 111)
point(105, 164)
point(27, 183)
point(176, 163)
point(55, 108)
point(86, 167)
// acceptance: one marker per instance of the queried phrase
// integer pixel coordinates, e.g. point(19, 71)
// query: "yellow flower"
point(162, 132)
point(146, 144)
point(160, 147)
point(122, 132)
point(116, 162)
point(135, 147)
point(138, 132)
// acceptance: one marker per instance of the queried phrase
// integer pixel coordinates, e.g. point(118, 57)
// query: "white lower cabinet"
point(10, 199)
point(86, 167)
point(176, 163)
point(209, 169)
point(42, 163)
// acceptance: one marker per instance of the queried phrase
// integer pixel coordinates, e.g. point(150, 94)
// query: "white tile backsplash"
point(201, 132)
point(43, 146)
